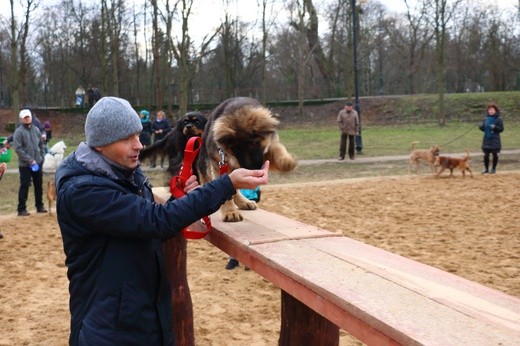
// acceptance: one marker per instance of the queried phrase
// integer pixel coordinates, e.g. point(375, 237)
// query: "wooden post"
point(303, 326)
point(175, 260)
point(175, 254)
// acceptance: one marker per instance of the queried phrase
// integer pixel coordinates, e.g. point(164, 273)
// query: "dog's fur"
point(192, 124)
point(3, 167)
point(426, 155)
point(51, 193)
point(446, 162)
point(54, 157)
point(247, 133)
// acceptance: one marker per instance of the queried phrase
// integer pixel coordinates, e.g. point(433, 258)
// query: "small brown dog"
point(451, 163)
point(426, 155)
point(51, 193)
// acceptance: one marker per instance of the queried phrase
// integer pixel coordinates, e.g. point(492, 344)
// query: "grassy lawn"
point(323, 142)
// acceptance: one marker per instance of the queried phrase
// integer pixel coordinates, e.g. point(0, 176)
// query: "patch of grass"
point(323, 143)
point(378, 140)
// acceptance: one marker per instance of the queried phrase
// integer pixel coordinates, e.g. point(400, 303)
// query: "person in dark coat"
point(160, 127)
point(146, 135)
point(492, 126)
point(112, 230)
point(47, 128)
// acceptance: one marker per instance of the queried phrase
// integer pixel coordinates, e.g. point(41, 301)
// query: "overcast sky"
point(207, 14)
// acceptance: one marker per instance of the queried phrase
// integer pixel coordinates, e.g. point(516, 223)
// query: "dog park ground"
point(469, 227)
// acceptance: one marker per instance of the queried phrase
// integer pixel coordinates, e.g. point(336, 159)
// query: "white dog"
point(54, 157)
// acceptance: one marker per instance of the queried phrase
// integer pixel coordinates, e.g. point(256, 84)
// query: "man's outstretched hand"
point(250, 178)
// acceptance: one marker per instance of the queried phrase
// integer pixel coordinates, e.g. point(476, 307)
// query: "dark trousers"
point(486, 159)
point(153, 159)
point(26, 176)
point(343, 145)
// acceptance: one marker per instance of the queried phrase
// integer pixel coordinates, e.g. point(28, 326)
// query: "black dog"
point(192, 124)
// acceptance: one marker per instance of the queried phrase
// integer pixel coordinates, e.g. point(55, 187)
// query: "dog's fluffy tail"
point(467, 154)
point(413, 144)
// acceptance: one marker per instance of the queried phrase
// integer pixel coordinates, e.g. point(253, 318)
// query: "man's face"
point(124, 152)
point(26, 120)
point(348, 107)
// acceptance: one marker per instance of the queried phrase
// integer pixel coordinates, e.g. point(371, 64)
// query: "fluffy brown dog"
point(192, 124)
point(242, 133)
point(51, 193)
point(426, 155)
point(451, 163)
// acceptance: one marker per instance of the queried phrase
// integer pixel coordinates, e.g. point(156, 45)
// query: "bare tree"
point(416, 41)
point(186, 56)
point(15, 77)
point(19, 49)
point(298, 23)
point(156, 43)
point(442, 11)
point(311, 30)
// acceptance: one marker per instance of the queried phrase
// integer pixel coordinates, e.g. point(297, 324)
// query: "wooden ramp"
point(378, 297)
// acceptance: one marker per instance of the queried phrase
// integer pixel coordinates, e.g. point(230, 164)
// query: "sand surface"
point(469, 227)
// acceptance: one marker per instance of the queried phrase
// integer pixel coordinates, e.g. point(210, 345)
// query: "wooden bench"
point(329, 281)
point(379, 297)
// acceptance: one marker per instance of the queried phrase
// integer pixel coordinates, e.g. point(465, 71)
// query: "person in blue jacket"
point(492, 126)
point(112, 230)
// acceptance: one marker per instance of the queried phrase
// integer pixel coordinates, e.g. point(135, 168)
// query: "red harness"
point(178, 182)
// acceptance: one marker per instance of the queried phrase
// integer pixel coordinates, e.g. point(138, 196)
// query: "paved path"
point(359, 159)
point(370, 159)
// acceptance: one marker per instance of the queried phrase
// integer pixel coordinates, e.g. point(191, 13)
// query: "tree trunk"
point(15, 76)
point(315, 46)
point(159, 96)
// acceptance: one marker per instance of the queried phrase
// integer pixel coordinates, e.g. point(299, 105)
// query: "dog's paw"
point(285, 163)
point(233, 216)
point(247, 205)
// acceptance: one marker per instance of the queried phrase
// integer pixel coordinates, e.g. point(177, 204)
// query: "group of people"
point(159, 128)
point(492, 126)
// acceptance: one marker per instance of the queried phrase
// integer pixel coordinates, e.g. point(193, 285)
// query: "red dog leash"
point(178, 182)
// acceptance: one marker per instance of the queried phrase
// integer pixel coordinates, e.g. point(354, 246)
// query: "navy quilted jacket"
point(112, 233)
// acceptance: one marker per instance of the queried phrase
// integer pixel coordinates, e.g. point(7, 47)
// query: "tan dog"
point(426, 155)
point(241, 133)
point(451, 163)
point(51, 193)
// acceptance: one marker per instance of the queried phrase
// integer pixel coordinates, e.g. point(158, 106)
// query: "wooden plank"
point(379, 297)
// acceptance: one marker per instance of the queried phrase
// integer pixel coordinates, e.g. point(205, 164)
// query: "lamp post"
point(359, 140)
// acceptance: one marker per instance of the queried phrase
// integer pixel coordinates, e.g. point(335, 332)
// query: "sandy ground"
point(470, 227)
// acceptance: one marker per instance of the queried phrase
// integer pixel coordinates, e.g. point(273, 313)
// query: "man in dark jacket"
point(112, 231)
point(160, 127)
point(30, 148)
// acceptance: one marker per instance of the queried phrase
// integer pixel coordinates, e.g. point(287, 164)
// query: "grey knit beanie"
point(110, 120)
